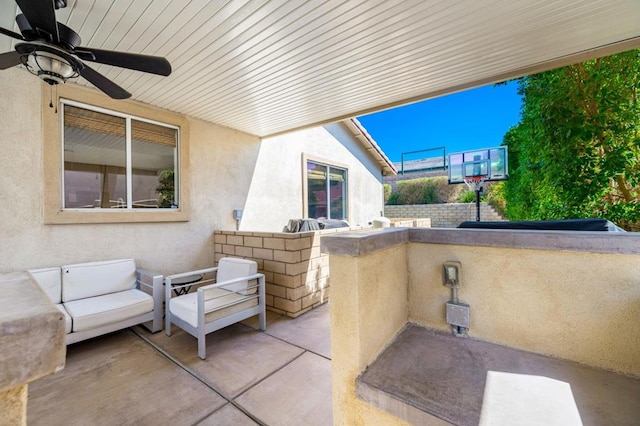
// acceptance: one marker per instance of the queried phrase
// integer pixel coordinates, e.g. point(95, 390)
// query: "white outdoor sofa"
point(238, 293)
point(100, 297)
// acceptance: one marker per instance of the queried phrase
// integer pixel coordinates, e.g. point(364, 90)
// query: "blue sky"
point(476, 118)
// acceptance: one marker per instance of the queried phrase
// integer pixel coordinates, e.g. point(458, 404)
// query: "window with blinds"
point(117, 161)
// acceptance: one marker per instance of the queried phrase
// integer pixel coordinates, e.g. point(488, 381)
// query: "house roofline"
point(370, 145)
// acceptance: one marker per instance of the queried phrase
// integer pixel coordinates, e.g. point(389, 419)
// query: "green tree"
point(576, 151)
point(166, 188)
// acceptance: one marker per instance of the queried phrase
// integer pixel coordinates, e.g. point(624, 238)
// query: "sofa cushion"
point(92, 279)
point(185, 307)
point(67, 318)
point(49, 280)
point(107, 309)
point(231, 267)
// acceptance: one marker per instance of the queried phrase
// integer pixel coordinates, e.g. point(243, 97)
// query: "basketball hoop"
point(478, 166)
point(475, 183)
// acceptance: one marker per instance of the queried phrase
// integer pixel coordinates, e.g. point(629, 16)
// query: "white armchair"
point(238, 293)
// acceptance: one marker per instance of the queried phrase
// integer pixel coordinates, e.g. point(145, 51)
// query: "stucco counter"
point(364, 242)
point(527, 290)
point(32, 342)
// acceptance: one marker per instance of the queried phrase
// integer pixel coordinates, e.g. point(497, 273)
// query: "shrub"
point(411, 191)
point(435, 190)
point(467, 197)
point(495, 197)
point(393, 199)
point(387, 192)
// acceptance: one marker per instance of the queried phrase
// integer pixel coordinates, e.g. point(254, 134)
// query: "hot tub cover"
point(602, 225)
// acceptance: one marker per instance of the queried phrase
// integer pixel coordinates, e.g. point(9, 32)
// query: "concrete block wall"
point(443, 215)
point(296, 273)
point(411, 223)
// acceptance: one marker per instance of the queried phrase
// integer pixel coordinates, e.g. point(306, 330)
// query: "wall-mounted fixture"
point(237, 215)
point(457, 313)
point(452, 274)
point(53, 52)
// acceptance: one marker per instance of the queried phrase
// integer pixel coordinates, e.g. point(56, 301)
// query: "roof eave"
point(370, 145)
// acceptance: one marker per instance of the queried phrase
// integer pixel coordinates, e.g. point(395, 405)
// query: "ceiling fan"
point(52, 51)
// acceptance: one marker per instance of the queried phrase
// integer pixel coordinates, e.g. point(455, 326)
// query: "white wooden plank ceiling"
point(267, 67)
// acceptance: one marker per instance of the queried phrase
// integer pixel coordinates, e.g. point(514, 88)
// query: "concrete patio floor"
point(278, 377)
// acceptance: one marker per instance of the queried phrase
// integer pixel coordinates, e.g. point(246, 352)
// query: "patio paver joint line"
point(299, 347)
point(195, 376)
point(269, 375)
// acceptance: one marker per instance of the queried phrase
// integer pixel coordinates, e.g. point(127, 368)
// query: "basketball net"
point(475, 183)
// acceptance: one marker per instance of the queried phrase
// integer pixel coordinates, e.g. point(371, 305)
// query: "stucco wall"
point(569, 295)
point(573, 305)
point(227, 170)
point(275, 195)
point(221, 162)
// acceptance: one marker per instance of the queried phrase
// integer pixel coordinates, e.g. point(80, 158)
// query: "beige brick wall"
point(411, 223)
point(442, 215)
point(296, 272)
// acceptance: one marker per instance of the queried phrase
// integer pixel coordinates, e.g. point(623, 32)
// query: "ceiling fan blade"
point(10, 33)
point(103, 83)
point(41, 16)
point(9, 59)
point(145, 63)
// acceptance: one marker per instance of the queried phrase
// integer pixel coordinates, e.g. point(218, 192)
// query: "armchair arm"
point(186, 274)
point(260, 295)
point(233, 281)
point(151, 282)
point(148, 278)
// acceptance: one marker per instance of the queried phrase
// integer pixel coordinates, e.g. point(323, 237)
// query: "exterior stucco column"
point(13, 406)
point(368, 308)
point(32, 342)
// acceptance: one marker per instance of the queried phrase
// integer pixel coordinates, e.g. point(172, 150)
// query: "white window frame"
point(52, 213)
point(306, 159)
point(129, 176)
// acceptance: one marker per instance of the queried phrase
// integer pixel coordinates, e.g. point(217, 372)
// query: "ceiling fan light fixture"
point(50, 68)
point(53, 52)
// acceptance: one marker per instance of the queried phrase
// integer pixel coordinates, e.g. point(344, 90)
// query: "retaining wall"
point(443, 215)
point(411, 223)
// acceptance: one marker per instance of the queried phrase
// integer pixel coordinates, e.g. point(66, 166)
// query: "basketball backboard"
point(490, 164)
